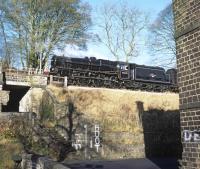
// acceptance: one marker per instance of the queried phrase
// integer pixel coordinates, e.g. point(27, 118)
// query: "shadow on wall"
point(70, 124)
point(162, 133)
point(16, 94)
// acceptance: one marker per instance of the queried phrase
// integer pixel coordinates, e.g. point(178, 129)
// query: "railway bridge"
point(14, 84)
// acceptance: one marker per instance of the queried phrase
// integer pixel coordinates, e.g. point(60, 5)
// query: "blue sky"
point(151, 7)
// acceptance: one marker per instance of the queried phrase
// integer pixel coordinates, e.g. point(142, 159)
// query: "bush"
point(46, 111)
point(9, 146)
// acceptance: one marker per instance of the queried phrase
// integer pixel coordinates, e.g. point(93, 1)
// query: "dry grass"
point(8, 148)
point(115, 109)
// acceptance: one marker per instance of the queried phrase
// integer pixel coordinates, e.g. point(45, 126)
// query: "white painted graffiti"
point(77, 144)
point(81, 140)
point(191, 136)
point(97, 137)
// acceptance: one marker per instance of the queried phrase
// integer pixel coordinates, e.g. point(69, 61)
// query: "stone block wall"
point(31, 101)
point(131, 129)
point(128, 129)
point(187, 28)
point(30, 161)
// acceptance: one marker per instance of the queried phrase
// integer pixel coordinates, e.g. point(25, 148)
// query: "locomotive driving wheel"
point(91, 83)
point(100, 83)
point(78, 82)
point(84, 81)
point(112, 82)
point(122, 85)
point(74, 82)
point(96, 81)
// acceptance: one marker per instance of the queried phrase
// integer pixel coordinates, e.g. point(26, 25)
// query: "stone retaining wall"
point(125, 132)
point(30, 161)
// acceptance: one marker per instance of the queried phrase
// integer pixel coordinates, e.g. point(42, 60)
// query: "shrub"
point(46, 111)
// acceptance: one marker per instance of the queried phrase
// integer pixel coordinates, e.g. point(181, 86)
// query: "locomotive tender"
point(113, 74)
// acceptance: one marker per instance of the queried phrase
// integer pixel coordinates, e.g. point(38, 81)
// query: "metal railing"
point(58, 79)
point(29, 71)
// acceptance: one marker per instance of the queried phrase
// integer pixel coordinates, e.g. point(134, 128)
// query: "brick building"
point(187, 28)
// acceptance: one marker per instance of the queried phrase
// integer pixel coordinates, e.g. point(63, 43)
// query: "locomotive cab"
point(124, 70)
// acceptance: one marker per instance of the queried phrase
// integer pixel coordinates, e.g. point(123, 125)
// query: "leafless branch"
point(120, 28)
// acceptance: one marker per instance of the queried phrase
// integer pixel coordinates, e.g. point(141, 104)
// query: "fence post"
point(65, 81)
point(51, 79)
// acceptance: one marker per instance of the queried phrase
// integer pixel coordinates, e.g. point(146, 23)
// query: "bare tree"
point(120, 27)
point(41, 26)
point(5, 47)
point(162, 41)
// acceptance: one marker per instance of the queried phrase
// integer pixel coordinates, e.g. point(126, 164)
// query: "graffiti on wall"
point(85, 140)
point(189, 136)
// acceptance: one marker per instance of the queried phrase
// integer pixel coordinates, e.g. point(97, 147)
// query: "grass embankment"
point(116, 109)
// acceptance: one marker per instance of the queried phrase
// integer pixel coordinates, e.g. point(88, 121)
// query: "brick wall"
point(187, 28)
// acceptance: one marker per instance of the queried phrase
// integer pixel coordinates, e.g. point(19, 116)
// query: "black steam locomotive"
point(113, 74)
